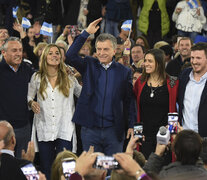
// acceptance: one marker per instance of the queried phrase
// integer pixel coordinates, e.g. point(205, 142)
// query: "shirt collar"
point(204, 77)
point(13, 68)
point(106, 66)
point(7, 151)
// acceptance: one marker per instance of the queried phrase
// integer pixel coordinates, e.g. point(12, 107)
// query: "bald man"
point(10, 166)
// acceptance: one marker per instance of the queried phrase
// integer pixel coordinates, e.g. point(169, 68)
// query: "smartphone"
point(138, 131)
point(68, 165)
point(73, 30)
point(106, 162)
point(173, 123)
point(30, 172)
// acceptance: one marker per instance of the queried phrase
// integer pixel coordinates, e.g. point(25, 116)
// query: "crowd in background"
point(92, 80)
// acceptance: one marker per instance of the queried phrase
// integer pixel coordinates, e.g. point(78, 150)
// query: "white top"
point(56, 111)
point(188, 20)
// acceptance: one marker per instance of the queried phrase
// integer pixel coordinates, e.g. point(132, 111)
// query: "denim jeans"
point(103, 139)
point(111, 27)
point(48, 151)
point(192, 35)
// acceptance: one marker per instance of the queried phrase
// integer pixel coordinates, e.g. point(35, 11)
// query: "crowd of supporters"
point(75, 96)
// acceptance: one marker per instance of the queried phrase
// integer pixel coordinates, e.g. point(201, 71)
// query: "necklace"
point(152, 90)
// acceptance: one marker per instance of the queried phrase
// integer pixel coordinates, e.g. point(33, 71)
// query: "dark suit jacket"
point(10, 168)
point(202, 111)
point(89, 68)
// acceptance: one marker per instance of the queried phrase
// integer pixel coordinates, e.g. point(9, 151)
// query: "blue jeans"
point(48, 151)
point(111, 27)
point(23, 136)
point(103, 139)
point(191, 35)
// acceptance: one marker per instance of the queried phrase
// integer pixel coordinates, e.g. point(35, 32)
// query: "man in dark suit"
point(10, 166)
point(106, 94)
point(192, 92)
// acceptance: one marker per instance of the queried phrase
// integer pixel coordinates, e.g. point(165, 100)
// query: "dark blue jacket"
point(202, 111)
point(121, 90)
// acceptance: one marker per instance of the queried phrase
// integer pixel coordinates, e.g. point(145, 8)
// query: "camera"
point(68, 165)
point(138, 131)
point(106, 162)
point(30, 172)
point(173, 123)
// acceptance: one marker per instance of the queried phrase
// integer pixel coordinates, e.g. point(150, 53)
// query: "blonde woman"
point(54, 107)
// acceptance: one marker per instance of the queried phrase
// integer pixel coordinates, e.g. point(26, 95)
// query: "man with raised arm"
point(103, 108)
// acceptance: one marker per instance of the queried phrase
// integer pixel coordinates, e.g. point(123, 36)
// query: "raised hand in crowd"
point(178, 10)
point(132, 145)
point(66, 30)
point(84, 163)
point(93, 27)
point(129, 165)
point(160, 149)
point(180, 128)
point(70, 39)
point(30, 154)
point(18, 27)
point(41, 176)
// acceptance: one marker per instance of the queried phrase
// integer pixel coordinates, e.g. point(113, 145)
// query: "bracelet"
point(140, 177)
point(127, 51)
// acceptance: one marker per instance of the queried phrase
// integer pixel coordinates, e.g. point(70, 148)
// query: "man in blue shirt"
point(103, 108)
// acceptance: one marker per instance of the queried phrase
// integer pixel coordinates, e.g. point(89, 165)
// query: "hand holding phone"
point(30, 172)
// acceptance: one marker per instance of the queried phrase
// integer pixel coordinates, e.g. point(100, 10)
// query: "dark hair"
point(187, 147)
point(167, 49)
point(159, 62)
point(139, 45)
point(146, 44)
point(137, 70)
point(200, 46)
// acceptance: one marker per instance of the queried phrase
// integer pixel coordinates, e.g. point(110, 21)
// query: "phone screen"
point(30, 172)
point(138, 131)
point(73, 30)
point(173, 123)
point(106, 162)
point(68, 167)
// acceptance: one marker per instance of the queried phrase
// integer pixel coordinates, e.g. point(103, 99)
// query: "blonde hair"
point(57, 170)
point(39, 45)
point(159, 44)
point(62, 81)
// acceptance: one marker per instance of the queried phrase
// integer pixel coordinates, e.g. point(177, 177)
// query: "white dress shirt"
point(56, 111)
point(191, 102)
